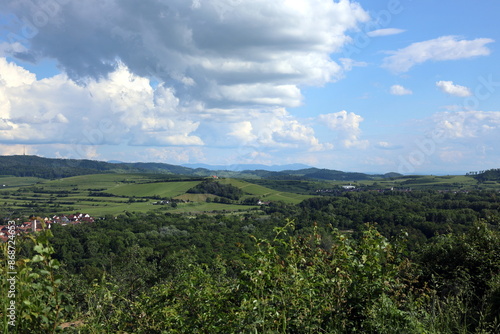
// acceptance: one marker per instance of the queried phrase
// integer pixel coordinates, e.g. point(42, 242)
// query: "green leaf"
point(39, 249)
point(54, 263)
point(37, 258)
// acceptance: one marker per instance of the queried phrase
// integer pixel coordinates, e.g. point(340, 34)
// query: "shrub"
point(40, 304)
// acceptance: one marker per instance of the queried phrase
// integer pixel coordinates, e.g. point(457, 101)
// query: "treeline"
point(488, 175)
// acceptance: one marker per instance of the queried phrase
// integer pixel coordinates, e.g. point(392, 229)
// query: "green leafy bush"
point(40, 304)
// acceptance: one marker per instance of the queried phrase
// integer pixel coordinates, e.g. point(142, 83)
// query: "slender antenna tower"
point(24, 152)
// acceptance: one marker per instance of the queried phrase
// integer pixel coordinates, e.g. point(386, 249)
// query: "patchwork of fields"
point(113, 193)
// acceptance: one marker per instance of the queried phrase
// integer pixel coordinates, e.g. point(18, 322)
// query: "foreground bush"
point(32, 298)
point(290, 284)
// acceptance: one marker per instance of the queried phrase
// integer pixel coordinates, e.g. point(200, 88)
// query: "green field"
point(162, 189)
point(113, 194)
point(102, 194)
point(7, 182)
point(266, 194)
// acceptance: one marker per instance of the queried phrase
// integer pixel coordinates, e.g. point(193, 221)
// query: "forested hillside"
point(152, 274)
point(34, 166)
point(216, 188)
point(489, 175)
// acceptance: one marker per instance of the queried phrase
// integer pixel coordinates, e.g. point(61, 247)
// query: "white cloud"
point(243, 132)
point(385, 32)
point(262, 94)
point(12, 75)
point(348, 63)
point(8, 49)
point(342, 120)
point(384, 145)
point(400, 90)
point(439, 49)
point(347, 126)
point(449, 87)
point(125, 109)
point(454, 156)
point(57, 110)
point(468, 124)
point(210, 51)
point(275, 128)
point(223, 71)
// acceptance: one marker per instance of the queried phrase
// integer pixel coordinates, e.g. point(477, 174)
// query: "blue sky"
point(369, 86)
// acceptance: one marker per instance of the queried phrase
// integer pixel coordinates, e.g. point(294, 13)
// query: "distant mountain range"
point(34, 166)
point(242, 167)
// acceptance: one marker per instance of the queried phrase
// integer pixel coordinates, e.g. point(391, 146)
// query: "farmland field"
point(265, 193)
point(113, 194)
point(163, 189)
point(102, 194)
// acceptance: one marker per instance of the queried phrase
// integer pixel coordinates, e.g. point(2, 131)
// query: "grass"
point(267, 194)
point(7, 182)
point(115, 209)
point(86, 182)
point(75, 194)
point(200, 207)
point(163, 189)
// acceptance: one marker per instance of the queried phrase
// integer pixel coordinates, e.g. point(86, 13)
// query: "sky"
point(366, 86)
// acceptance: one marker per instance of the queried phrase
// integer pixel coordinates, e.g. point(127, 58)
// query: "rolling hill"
point(48, 168)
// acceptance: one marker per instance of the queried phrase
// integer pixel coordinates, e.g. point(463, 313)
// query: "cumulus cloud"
point(275, 128)
point(347, 126)
point(385, 32)
point(439, 49)
point(188, 73)
point(400, 90)
point(449, 87)
point(120, 108)
point(124, 108)
point(211, 50)
point(468, 124)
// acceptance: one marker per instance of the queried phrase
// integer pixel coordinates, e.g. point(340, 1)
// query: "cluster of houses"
point(37, 223)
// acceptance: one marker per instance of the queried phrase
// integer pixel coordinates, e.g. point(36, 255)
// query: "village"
point(36, 224)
